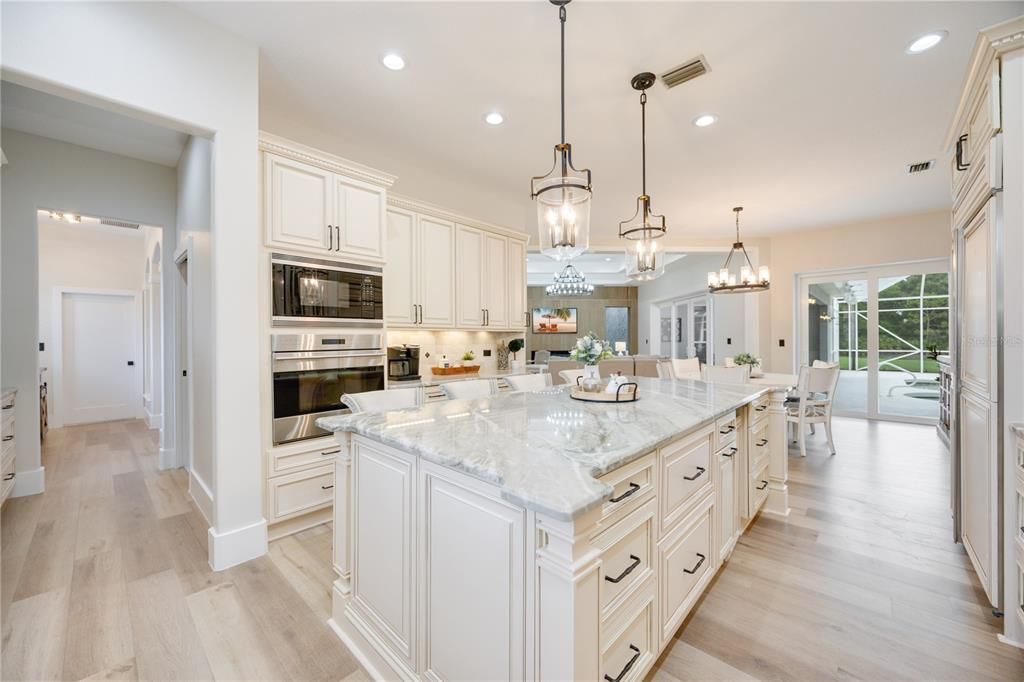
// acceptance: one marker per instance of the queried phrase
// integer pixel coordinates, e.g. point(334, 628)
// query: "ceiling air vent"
point(698, 66)
point(119, 223)
point(920, 166)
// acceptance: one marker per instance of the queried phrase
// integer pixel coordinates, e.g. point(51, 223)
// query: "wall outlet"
point(728, 341)
point(487, 352)
point(782, 343)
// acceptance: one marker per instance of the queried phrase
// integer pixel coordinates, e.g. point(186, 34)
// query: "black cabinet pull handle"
point(960, 165)
point(7, 407)
point(699, 563)
point(636, 562)
point(728, 429)
point(761, 443)
point(330, 238)
point(7, 438)
point(625, 670)
point(700, 470)
point(760, 408)
point(732, 451)
point(330, 452)
point(633, 487)
point(9, 476)
point(764, 484)
point(326, 487)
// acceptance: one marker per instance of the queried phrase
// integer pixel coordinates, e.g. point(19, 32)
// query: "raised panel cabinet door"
point(473, 604)
point(436, 272)
point(383, 541)
point(469, 300)
point(299, 204)
point(495, 282)
point(978, 332)
point(516, 284)
point(726, 503)
point(978, 481)
point(400, 273)
point(360, 209)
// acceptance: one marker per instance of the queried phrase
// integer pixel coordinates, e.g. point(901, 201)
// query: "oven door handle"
point(306, 364)
point(316, 354)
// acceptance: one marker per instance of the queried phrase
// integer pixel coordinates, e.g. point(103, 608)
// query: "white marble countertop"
point(428, 379)
point(544, 449)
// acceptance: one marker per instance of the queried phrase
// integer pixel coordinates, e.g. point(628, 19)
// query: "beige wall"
point(892, 240)
point(589, 316)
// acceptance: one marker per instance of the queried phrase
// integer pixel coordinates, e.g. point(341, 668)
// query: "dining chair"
point(529, 382)
point(666, 370)
point(606, 368)
point(570, 376)
point(468, 389)
point(812, 403)
point(383, 401)
point(686, 368)
point(557, 365)
point(714, 374)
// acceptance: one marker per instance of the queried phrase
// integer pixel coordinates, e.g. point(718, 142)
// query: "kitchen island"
point(533, 536)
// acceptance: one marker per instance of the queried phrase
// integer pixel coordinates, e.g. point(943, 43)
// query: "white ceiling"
point(820, 108)
point(40, 113)
point(606, 268)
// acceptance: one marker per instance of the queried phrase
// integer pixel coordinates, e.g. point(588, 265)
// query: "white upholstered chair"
point(469, 389)
point(665, 370)
point(383, 401)
point(812, 403)
point(529, 382)
point(686, 368)
point(714, 374)
point(569, 376)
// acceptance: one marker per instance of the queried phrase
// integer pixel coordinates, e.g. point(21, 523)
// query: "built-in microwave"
point(316, 292)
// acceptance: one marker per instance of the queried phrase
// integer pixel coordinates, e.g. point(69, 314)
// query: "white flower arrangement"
point(590, 350)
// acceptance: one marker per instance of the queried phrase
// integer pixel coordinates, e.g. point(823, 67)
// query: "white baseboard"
point(237, 546)
point(31, 482)
point(1005, 640)
point(202, 496)
point(168, 459)
point(154, 421)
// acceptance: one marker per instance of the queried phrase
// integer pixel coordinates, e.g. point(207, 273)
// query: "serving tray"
point(626, 393)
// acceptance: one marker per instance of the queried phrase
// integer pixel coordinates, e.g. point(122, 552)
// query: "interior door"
point(100, 372)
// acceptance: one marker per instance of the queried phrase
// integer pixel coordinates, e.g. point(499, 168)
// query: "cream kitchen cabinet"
point(518, 315)
point(979, 485)
point(419, 276)
point(482, 293)
point(494, 281)
point(315, 202)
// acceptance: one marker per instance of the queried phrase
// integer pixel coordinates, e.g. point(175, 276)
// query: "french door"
point(887, 327)
point(684, 329)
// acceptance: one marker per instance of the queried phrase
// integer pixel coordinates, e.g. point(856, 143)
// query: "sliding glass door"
point(886, 327)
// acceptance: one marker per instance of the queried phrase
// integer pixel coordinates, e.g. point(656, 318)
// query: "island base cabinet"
point(630, 640)
point(686, 563)
point(472, 597)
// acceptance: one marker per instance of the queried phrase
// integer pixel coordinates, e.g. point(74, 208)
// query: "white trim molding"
point(31, 482)
point(237, 546)
point(202, 496)
point(416, 206)
point(168, 459)
point(315, 157)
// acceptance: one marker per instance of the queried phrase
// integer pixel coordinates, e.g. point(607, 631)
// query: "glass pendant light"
point(569, 282)
point(563, 193)
point(641, 232)
point(750, 279)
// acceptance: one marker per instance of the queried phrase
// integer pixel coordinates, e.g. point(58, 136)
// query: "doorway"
point(183, 358)
point(888, 329)
point(684, 328)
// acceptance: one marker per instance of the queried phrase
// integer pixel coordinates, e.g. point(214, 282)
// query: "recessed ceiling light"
point(704, 120)
point(393, 61)
point(926, 42)
point(494, 118)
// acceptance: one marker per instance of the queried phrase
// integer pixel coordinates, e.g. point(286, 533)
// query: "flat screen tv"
point(554, 320)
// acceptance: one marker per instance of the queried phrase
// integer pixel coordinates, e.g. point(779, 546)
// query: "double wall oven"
point(312, 372)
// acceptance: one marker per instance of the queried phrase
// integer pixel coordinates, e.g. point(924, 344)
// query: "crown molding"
point(416, 206)
point(315, 157)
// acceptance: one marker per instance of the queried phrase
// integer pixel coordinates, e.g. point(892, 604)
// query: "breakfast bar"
point(533, 536)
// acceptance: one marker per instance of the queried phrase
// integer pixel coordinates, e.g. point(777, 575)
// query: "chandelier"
point(724, 282)
point(569, 282)
point(563, 193)
point(644, 228)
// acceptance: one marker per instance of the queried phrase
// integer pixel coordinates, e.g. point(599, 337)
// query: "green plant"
point(514, 346)
point(468, 356)
point(747, 359)
point(590, 350)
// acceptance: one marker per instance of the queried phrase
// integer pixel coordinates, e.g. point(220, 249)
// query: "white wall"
point(166, 65)
point(82, 256)
point(43, 173)
point(687, 276)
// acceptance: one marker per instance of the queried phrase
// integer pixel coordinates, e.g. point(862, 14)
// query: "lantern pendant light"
point(563, 194)
point(750, 279)
point(643, 262)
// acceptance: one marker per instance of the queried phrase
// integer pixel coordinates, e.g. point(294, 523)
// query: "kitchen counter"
point(545, 450)
point(428, 379)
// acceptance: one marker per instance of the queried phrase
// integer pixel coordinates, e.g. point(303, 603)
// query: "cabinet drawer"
point(685, 565)
point(760, 446)
point(304, 455)
point(725, 431)
point(627, 556)
point(7, 422)
point(300, 493)
point(629, 644)
point(7, 454)
point(684, 475)
point(6, 479)
point(758, 410)
point(631, 485)
point(758, 490)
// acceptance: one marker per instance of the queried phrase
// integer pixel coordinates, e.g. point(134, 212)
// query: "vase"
point(591, 378)
point(502, 359)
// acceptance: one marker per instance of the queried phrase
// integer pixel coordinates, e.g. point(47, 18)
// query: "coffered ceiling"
point(819, 107)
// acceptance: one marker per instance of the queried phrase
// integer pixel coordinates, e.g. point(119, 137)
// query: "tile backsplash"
point(454, 344)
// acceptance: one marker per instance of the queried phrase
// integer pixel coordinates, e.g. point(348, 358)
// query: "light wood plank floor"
point(105, 577)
